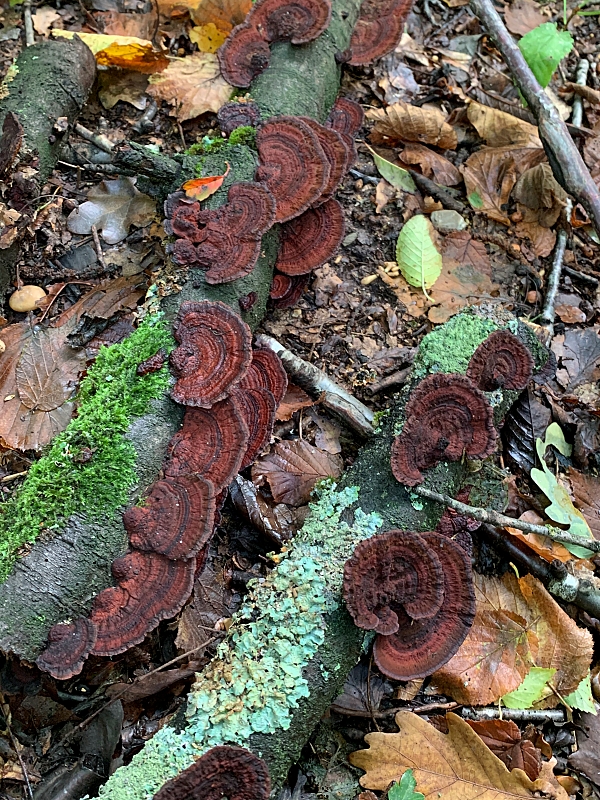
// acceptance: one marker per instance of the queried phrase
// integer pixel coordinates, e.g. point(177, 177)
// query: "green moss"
point(246, 134)
point(63, 481)
point(256, 679)
point(450, 347)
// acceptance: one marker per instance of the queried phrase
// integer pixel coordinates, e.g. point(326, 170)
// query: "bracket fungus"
point(422, 646)
point(238, 115)
point(150, 588)
point(501, 362)
point(267, 372)
point(244, 55)
point(311, 239)
point(346, 117)
point(389, 572)
point(292, 165)
point(69, 644)
point(258, 407)
point(223, 772)
point(447, 417)
point(286, 290)
point(459, 527)
point(337, 154)
point(214, 352)
point(296, 21)
point(378, 29)
point(211, 443)
point(177, 518)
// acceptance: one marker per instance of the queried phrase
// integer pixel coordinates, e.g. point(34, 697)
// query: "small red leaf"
point(201, 188)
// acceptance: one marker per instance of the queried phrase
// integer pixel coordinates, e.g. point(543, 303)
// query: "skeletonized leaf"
point(193, 85)
point(544, 48)
point(397, 176)
point(403, 122)
point(418, 258)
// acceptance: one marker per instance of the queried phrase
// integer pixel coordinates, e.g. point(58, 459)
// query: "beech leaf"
point(544, 48)
point(201, 188)
point(419, 259)
point(398, 177)
point(582, 698)
point(452, 766)
point(531, 689)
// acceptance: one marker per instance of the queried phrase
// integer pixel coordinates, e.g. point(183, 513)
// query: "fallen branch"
point(548, 312)
point(502, 521)
point(517, 714)
point(567, 164)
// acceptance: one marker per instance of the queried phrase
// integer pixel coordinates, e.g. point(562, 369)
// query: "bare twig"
point(567, 164)
point(445, 197)
point(548, 312)
point(16, 745)
point(98, 247)
point(315, 381)
point(28, 24)
point(582, 276)
point(516, 714)
point(97, 139)
point(580, 78)
point(494, 518)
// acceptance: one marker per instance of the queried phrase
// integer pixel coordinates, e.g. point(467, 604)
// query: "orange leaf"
point(201, 188)
point(127, 52)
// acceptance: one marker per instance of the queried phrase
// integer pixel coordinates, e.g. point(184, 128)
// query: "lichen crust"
point(256, 678)
point(449, 347)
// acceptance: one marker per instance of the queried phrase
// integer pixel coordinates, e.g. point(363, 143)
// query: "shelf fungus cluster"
point(231, 393)
point(223, 772)
point(415, 590)
point(246, 52)
point(378, 29)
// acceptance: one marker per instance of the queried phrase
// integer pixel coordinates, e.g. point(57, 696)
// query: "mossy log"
point(49, 80)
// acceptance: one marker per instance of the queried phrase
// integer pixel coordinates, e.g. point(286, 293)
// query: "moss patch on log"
point(257, 679)
point(89, 466)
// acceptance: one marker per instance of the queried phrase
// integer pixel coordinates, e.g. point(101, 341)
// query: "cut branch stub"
point(447, 417)
point(266, 372)
point(214, 353)
point(420, 647)
point(237, 115)
point(69, 644)
point(297, 21)
point(337, 154)
point(231, 772)
point(311, 239)
point(501, 362)
point(286, 291)
point(177, 519)
point(378, 29)
point(258, 407)
point(292, 165)
point(211, 443)
point(150, 588)
point(244, 55)
point(393, 570)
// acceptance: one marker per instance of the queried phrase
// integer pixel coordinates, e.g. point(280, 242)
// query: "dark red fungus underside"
point(286, 291)
point(336, 152)
point(69, 644)
point(244, 55)
point(501, 362)
point(267, 372)
point(297, 21)
point(258, 407)
point(311, 239)
point(378, 29)
point(237, 115)
point(346, 117)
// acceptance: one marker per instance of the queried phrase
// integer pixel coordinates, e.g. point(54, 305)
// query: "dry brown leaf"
point(589, 94)
point(490, 175)
point(517, 625)
point(415, 303)
point(223, 14)
point(586, 490)
point(542, 238)
point(294, 399)
point(406, 123)
point(293, 469)
point(432, 164)
point(523, 16)
point(193, 85)
point(452, 766)
point(130, 87)
point(499, 129)
point(142, 26)
point(384, 192)
point(503, 738)
point(567, 308)
point(538, 189)
point(578, 355)
point(458, 286)
point(459, 246)
point(545, 547)
point(43, 19)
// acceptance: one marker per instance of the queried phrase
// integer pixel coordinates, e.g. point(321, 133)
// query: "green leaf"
point(555, 437)
point(418, 258)
point(398, 177)
point(530, 690)
point(543, 48)
point(405, 788)
point(582, 697)
point(475, 199)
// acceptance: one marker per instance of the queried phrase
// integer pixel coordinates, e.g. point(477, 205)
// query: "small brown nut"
point(25, 298)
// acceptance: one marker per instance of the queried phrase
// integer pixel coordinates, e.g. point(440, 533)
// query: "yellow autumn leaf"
point(453, 766)
point(208, 37)
point(194, 85)
point(127, 52)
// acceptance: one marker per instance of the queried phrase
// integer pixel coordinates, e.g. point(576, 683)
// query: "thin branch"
point(548, 312)
point(580, 78)
point(494, 518)
point(28, 24)
point(516, 714)
point(567, 164)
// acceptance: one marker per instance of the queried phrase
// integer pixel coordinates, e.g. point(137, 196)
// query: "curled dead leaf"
point(405, 123)
point(193, 85)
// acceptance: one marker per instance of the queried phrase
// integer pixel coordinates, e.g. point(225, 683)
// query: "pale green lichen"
point(256, 679)
point(449, 348)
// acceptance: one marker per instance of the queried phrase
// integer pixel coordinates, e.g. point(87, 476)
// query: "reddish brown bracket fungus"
point(337, 154)
point(211, 443)
point(250, 209)
point(258, 407)
point(346, 117)
point(69, 644)
point(501, 362)
point(238, 115)
point(447, 417)
point(458, 527)
point(177, 518)
point(247, 301)
point(393, 570)
point(292, 165)
point(231, 772)
point(182, 217)
point(214, 353)
point(297, 21)
point(150, 588)
point(420, 647)
point(153, 364)
point(244, 55)
point(286, 291)
point(266, 372)
point(311, 239)
point(372, 39)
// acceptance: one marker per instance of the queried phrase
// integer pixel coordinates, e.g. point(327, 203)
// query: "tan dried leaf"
point(139, 25)
point(293, 469)
point(490, 175)
point(458, 286)
point(432, 164)
point(294, 399)
point(538, 189)
point(545, 547)
point(130, 87)
point(452, 766)
point(459, 246)
point(414, 301)
point(542, 238)
point(499, 129)
point(517, 625)
point(384, 192)
point(43, 19)
point(403, 122)
point(193, 85)
point(586, 490)
point(523, 16)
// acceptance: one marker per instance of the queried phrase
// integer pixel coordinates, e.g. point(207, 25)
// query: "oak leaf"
point(452, 766)
point(517, 625)
point(193, 84)
point(405, 123)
